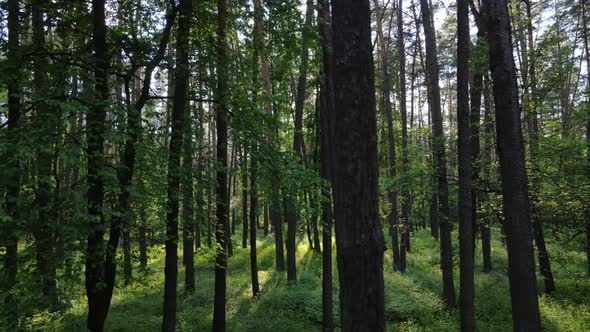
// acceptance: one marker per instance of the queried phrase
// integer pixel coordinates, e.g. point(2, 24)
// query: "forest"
point(295, 165)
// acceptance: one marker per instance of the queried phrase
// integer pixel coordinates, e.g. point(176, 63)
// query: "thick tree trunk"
point(179, 107)
point(326, 151)
point(521, 262)
point(358, 230)
point(221, 188)
point(486, 242)
point(440, 159)
point(587, 207)
point(95, 129)
point(399, 254)
point(467, 286)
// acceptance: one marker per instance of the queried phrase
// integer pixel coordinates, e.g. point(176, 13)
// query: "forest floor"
point(412, 300)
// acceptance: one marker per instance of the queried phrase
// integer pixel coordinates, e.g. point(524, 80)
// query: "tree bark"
point(13, 171)
point(467, 286)
point(244, 198)
point(253, 215)
point(188, 226)
point(440, 159)
point(327, 114)
point(358, 230)
point(179, 107)
point(521, 262)
point(587, 207)
point(221, 188)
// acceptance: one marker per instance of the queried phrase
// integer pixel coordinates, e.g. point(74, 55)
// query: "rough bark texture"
point(221, 188)
point(95, 128)
point(326, 152)
point(486, 242)
point(181, 77)
point(244, 198)
point(521, 262)
point(358, 230)
point(467, 286)
point(586, 49)
point(440, 159)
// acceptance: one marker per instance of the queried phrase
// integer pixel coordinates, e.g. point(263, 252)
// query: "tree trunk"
point(179, 110)
point(587, 207)
point(188, 226)
point(96, 291)
point(399, 254)
point(358, 230)
point(440, 159)
point(467, 286)
point(244, 198)
point(12, 171)
point(405, 189)
point(221, 188)
point(253, 215)
point(326, 151)
point(521, 262)
point(46, 117)
point(486, 242)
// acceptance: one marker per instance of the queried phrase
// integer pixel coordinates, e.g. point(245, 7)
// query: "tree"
point(12, 169)
point(467, 286)
point(96, 273)
point(326, 150)
point(179, 107)
point(523, 288)
point(221, 187)
point(358, 231)
point(440, 160)
point(392, 219)
point(586, 35)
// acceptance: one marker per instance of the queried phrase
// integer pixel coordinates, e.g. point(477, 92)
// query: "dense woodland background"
point(418, 165)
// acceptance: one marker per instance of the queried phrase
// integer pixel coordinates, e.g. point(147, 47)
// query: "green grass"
point(412, 300)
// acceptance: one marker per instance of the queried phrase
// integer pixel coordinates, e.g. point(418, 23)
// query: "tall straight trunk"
point(275, 204)
point(200, 213)
point(188, 226)
point(253, 215)
point(544, 263)
point(266, 221)
point(486, 241)
point(221, 188)
point(12, 170)
point(358, 230)
point(587, 207)
point(405, 189)
point(326, 152)
point(440, 159)
point(96, 291)
point(466, 282)
point(244, 197)
point(143, 237)
point(179, 110)
point(475, 94)
point(399, 254)
point(521, 262)
point(43, 230)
